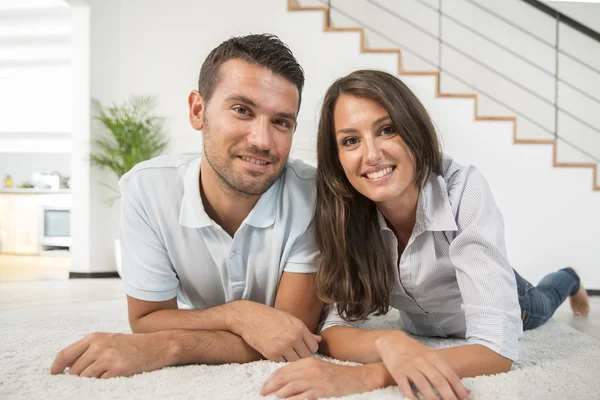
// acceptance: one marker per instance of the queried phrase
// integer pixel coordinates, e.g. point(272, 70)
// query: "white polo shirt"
point(171, 247)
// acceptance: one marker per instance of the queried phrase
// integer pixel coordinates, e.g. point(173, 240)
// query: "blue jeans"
point(538, 303)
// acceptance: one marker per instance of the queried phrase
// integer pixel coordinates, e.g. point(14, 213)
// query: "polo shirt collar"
point(263, 213)
point(193, 215)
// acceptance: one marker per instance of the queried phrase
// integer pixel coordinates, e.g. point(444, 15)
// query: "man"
point(227, 234)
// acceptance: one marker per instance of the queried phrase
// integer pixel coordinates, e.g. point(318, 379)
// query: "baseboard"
point(88, 275)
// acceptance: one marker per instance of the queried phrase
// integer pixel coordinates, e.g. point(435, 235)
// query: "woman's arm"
point(467, 361)
point(483, 273)
point(359, 345)
point(365, 346)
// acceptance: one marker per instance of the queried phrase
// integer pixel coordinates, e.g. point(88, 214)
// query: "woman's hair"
point(356, 271)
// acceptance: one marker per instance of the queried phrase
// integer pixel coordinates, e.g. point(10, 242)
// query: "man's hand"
point(277, 335)
point(314, 378)
point(422, 367)
point(106, 355)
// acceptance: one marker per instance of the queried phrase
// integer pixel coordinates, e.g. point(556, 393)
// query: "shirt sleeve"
point(485, 277)
point(332, 318)
point(147, 271)
point(304, 257)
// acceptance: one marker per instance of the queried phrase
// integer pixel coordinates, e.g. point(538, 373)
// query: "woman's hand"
point(422, 367)
point(312, 378)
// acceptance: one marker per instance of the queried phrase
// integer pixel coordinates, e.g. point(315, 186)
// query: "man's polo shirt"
point(172, 248)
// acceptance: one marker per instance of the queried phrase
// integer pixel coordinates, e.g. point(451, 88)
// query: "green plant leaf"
point(134, 134)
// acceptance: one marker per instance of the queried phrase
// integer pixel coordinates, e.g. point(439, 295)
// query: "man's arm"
point(296, 296)
point(106, 355)
point(285, 336)
point(272, 331)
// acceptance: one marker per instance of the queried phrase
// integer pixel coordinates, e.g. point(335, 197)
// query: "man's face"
point(247, 126)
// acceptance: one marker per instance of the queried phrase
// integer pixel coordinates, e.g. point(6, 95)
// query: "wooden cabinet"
point(19, 223)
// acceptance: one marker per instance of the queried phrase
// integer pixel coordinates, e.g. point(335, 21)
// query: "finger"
point(67, 356)
point(302, 350)
point(430, 368)
point(274, 382)
point(290, 355)
point(84, 361)
point(405, 388)
point(279, 358)
point(108, 374)
point(308, 395)
point(94, 370)
point(292, 389)
point(422, 384)
point(318, 338)
point(311, 342)
point(461, 391)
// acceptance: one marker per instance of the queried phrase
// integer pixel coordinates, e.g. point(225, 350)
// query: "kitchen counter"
point(33, 191)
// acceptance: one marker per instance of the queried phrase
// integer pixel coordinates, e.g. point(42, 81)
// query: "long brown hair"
point(356, 270)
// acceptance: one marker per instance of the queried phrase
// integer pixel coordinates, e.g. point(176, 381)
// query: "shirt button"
point(232, 254)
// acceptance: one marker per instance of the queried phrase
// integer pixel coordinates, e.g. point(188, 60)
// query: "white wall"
point(586, 13)
point(528, 90)
point(141, 46)
point(35, 80)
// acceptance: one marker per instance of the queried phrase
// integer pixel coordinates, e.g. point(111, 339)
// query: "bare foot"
point(580, 303)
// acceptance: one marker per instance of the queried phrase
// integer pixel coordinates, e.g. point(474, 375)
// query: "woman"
point(400, 224)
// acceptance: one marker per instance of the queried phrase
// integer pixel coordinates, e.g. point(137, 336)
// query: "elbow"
point(135, 325)
point(138, 325)
point(505, 365)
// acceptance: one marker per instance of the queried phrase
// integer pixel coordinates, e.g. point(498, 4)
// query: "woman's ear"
point(196, 107)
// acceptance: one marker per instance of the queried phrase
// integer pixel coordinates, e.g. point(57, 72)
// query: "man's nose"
point(260, 135)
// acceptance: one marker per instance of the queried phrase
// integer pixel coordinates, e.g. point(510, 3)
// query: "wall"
point(482, 51)
point(35, 80)
point(20, 166)
point(141, 46)
point(586, 13)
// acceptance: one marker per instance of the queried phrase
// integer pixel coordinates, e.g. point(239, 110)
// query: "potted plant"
point(133, 134)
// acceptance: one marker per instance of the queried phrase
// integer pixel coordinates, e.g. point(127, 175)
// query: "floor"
point(24, 268)
point(14, 296)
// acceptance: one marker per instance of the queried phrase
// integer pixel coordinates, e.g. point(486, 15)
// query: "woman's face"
point(377, 162)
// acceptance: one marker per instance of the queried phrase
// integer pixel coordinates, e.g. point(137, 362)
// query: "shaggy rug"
point(556, 362)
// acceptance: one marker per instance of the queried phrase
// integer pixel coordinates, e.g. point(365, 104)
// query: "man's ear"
point(196, 107)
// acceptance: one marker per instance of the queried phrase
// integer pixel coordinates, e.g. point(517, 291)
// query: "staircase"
point(518, 62)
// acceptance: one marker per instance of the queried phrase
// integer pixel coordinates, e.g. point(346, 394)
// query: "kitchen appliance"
point(55, 224)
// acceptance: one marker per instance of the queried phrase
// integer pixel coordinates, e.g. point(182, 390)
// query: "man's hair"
point(265, 50)
point(356, 272)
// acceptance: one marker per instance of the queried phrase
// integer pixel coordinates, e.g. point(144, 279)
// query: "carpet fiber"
point(556, 362)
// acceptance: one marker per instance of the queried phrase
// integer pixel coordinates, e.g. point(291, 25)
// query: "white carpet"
point(557, 362)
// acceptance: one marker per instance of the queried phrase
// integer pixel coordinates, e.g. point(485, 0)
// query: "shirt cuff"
point(300, 268)
point(332, 318)
point(147, 295)
point(500, 335)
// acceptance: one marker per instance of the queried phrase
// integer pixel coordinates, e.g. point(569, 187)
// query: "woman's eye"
point(351, 141)
point(388, 130)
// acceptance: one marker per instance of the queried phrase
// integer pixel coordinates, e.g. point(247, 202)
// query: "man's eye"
point(282, 122)
point(349, 141)
point(242, 110)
